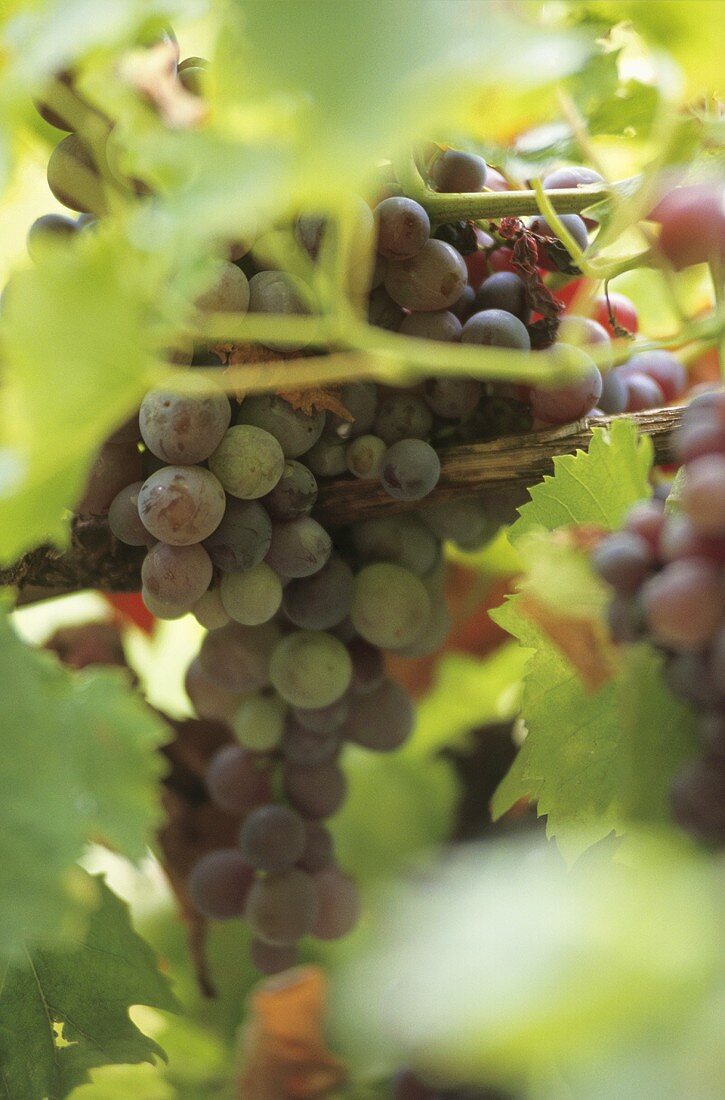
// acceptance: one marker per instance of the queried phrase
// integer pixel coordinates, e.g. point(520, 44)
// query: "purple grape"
point(505, 291)
point(219, 884)
point(411, 469)
point(457, 172)
point(403, 227)
point(496, 328)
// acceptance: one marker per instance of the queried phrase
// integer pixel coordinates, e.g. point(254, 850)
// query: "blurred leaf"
point(64, 1012)
point(78, 761)
point(604, 740)
point(467, 693)
point(504, 965)
point(598, 486)
point(78, 343)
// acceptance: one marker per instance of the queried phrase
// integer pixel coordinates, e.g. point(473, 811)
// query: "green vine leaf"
point(78, 763)
point(598, 486)
point(63, 1012)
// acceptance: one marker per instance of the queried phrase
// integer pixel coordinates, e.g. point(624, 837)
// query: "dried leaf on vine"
point(584, 642)
point(321, 398)
point(153, 72)
point(538, 296)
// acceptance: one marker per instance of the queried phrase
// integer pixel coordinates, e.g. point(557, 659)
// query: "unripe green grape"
point(311, 668)
point(251, 597)
point(390, 607)
point(248, 462)
point(258, 724)
point(73, 177)
point(228, 294)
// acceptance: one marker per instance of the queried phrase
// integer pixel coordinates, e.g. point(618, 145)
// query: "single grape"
point(322, 600)
point(368, 666)
point(434, 325)
point(464, 306)
point(48, 231)
point(688, 675)
point(702, 437)
point(181, 505)
point(642, 392)
point(403, 540)
point(295, 493)
point(562, 404)
point(339, 904)
point(626, 619)
point(279, 292)
point(237, 780)
point(364, 456)
point(272, 838)
point(703, 494)
point(411, 469)
point(583, 332)
point(160, 609)
point(684, 603)
point(114, 467)
point(433, 279)
point(662, 366)
point(229, 292)
point(647, 519)
point(434, 633)
point(269, 958)
point(310, 668)
point(253, 596)
point(237, 657)
point(680, 538)
point(403, 416)
point(390, 606)
point(383, 312)
point(693, 224)
point(219, 884)
point(505, 291)
point(452, 398)
point(697, 799)
point(298, 548)
point(402, 227)
point(193, 78)
point(573, 176)
point(572, 222)
point(181, 427)
point(258, 723)
point(615, 394)
point(327, 457)
point(242, 538)
point(317, 792)
point(177, 574)
point(282, 908)
point(456, 171)
point(322, 720)
point(295, 430)
point(622, 309)
point(360, 399)
point(382, 720)
point(248, 462)
point(208, 699)
point(496, 328)
point(73, 177)
point(319, 851)
point(209, 610)
point(624, 560)
point(123, 518)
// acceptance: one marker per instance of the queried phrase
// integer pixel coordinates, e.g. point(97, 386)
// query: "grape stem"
point(97, 560)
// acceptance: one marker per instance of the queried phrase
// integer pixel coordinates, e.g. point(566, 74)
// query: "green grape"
point(364, 456)
point(390, 607)
point(295, 430)
point(327, 457)
point(251, 597)
point(311, 668)
point(229, 292)
point(209, 610)
point(258, 724)
point(73, 177)
point(279, 292)
point(248, 462)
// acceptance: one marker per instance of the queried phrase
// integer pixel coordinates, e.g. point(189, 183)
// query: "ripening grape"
point(452, 398)
point(506, 291)
point(237, 780)
point(573, 176)
point(124, 520)
point(703, 494)
point(181, 505)
point(316, 791)
point(381, 720)
point(339, 904)
point(296, 431)
point(310, 668)
point(368, 666)
point(327, 457)
point(322, 600)
point(496, 328)
point(360, 400)
point(319, 848)
point(402, 227)
point(624, 560)
point(364, 456)
point(697, 799)
point(160, 609)
point(456, 171)
point(562, 404)
point(571, 222)
point(402, 539)
point(181, 427)
point(272, 838)
point(208, 699)
point(114, 467)
point(270, 958)
point(282, 908)
point(242, 538)
point(693, 224)
point(251, 596)
point(433, 279)
point(411, 469)
point(323, 720)
point(237, 657)
point(464, 522)
point(663, 367)
point(294, 494)
point(177, 574)
point(305, 749)
point(258, 723)
point(383, 312)
point(229, 292)
point(219, 884)
point(279, 292)
point(583, 332)
point(434, 325)
point(298, 548)
point(403, 416)
point(248, 462)
point(615, 393)
point(73, 177)
point(390, 606)
point(642, 392)
point(684, 603)
point(209, 610)
point(623, 311)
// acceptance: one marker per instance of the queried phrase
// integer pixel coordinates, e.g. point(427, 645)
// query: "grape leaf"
point(77, 360)
point(78, 762)
point(64, 1011)
point(593, 761)
point(597, 486)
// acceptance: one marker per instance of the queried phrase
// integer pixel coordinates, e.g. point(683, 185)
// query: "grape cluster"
point(300, 615)
point(667, 573)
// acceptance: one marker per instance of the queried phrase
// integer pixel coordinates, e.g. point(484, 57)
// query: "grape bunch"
point(221, 494)
point(667, 571)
